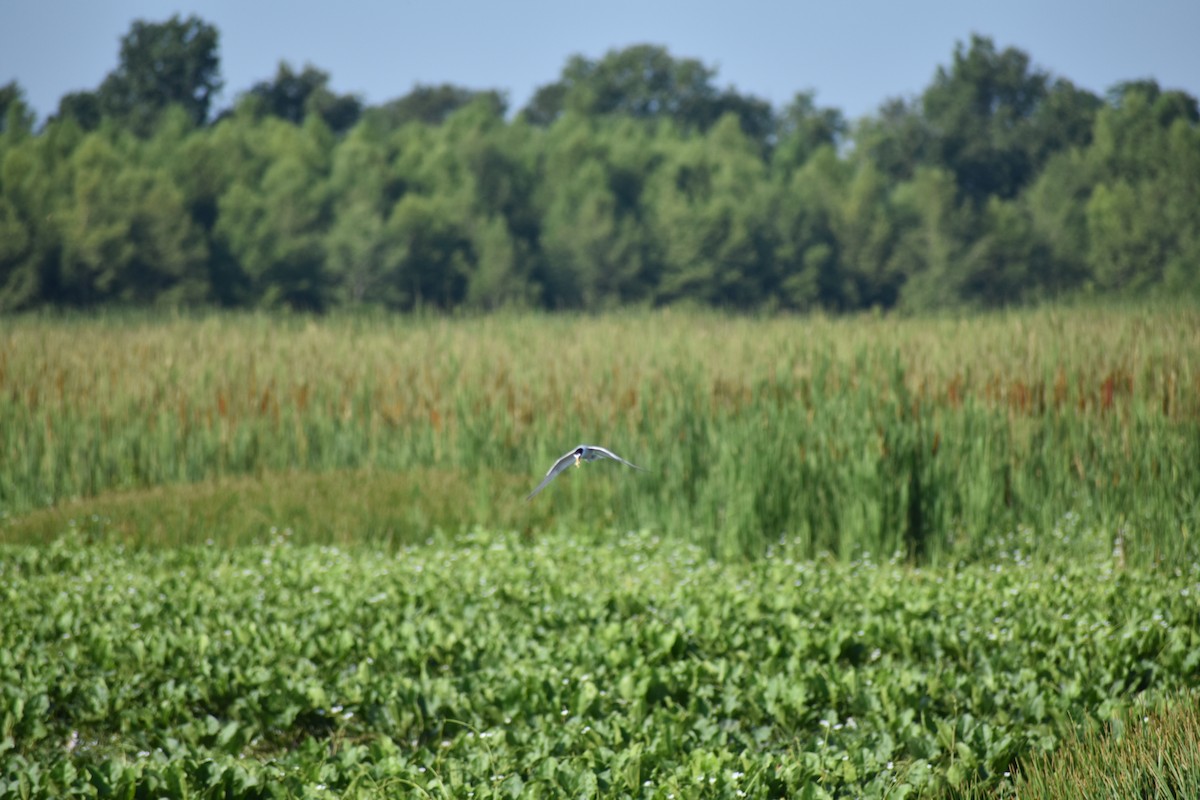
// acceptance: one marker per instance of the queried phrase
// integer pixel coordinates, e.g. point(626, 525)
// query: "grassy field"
point(280, 557)
point(928, 438)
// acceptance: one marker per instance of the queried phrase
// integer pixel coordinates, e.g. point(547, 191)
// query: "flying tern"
point(584, 452)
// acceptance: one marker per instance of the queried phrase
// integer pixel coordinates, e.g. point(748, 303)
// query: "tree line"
point(632, 179)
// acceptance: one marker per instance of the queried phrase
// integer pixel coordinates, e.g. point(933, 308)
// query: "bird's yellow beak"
point(577, 461)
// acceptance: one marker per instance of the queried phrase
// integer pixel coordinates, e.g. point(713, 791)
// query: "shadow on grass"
point(358, 506)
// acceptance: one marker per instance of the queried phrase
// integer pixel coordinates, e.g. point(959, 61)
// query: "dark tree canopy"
point(803, 127)
point(1167, 105)
point(83, 107)
point(15, 114)
point(979, 111)
point(433, 105)
point(162, 64)
point(292, 96)
point(631, 179)
point(646, 82)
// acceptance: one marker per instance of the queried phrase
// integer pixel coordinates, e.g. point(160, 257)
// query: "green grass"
point(1151, 751)
point(260, 556)
point(591, 665)
point(337, 507)
point(931, 438)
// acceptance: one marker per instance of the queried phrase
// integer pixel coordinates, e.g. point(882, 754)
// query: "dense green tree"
point(18, 282)
point(991, 121)
point(897, 139)
point(809, 275)
point(499, 189)
point(126, 235)
point(202, 164)
point(549, 101)
point(1063, 119)
point(497, 173)
point(84, 108)
point(16, 117)
point(163, 64)
point(592, 233)
point(237, 150)
point(979, 111)
point(865, 229)
point(1057, 203)
point(708, 216)
point(803, 128)
point(754, 115)
point(487, 171)
point(292, 96)
point(1008, 262)
point(1143, 216)
point(646, 82)
point(1164, 106)
point(989, 117)
point(274, 228)
point(356, 251)
point(20, 276)
point(433, 105)
point(1127, 234)
point(934, 234)
point(355, 244)
point(499, 278)
point(431, 258)
point(632, 179)
point(1181, 184)
point(35, 181)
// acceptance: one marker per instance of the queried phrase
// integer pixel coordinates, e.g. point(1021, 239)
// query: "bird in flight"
point(584, 452)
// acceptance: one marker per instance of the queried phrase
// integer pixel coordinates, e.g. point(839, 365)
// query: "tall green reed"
point(924, 438)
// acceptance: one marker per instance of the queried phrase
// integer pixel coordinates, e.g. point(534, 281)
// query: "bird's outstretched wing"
point(558, 467)
point(610, 454)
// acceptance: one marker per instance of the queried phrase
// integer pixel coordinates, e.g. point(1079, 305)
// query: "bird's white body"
point(584, 452)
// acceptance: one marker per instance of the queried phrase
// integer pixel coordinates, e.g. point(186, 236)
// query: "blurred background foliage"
point(632, 179)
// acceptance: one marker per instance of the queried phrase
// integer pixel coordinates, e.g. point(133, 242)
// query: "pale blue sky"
point(854, 54)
